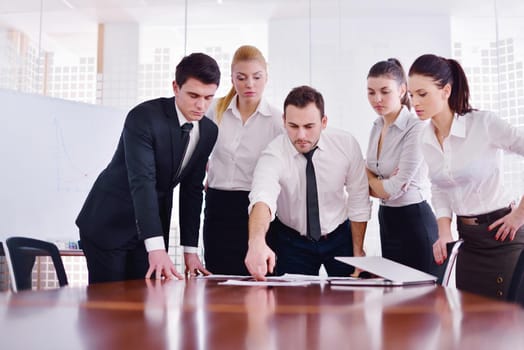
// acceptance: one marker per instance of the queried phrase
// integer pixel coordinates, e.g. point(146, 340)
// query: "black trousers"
point(108, 265)
point(226, 231)
point(407, 235)
point(300, 255)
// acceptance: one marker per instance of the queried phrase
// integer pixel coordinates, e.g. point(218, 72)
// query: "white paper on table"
point(312, 278)
point(286, 279)
point(222, 277)
point(297, 277)
point(267, 283)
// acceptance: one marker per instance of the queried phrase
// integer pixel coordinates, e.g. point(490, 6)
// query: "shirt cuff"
point(193, 250)
point(443, 213)
point(362, 213)
point(154, 243)
point(266, 201)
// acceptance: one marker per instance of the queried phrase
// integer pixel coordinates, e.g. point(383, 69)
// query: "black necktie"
point(313, 217)
point(186, 129)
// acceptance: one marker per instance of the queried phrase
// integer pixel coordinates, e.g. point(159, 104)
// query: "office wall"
point(333, 54)
point(51, 152)
point(341, 51)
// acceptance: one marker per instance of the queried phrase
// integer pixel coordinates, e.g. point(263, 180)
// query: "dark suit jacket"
point(132, 198)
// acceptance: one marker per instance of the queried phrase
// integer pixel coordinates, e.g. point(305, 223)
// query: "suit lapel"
point(176, 138)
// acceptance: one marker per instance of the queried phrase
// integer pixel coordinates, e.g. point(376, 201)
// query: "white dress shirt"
point(157, 242)
point(280, 181)
point(402, 156)
point(466, 175)
point(239, 145)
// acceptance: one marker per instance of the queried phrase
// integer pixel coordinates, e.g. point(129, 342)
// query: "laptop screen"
point(388, 269)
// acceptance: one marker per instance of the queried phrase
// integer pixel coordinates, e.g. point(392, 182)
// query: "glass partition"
point(120, 53)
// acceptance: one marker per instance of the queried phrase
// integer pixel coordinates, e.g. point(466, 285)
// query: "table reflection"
point(202, 314)
point(260, 309)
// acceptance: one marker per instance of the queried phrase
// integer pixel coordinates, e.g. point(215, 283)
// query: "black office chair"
point(516, 288)
point(21, 252)
point(452, 250)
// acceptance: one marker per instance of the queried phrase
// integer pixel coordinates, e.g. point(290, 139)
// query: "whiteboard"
point(51, 152)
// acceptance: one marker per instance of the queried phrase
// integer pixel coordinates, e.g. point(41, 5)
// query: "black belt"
point(288, 230)
point(308, 237)
point(487, 218)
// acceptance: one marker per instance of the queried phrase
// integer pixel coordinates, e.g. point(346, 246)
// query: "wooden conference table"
point(201, 314)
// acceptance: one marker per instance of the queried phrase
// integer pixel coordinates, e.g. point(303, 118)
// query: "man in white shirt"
point(279, 193)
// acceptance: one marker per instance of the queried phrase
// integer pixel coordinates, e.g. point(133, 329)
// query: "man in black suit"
point(124, 223)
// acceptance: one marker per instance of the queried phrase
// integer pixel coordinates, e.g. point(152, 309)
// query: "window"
point(330, 51)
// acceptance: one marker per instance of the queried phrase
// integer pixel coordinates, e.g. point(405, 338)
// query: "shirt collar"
point(403, 118)
point(401, 122)
point(458, 127)
point(263, 107)
point(321, 144)
point(181, 118)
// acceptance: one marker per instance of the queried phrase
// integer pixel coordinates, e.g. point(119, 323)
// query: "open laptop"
point(390, 272)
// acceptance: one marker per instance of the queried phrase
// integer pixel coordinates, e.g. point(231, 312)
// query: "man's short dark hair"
point(198, 66)
point(301, 96)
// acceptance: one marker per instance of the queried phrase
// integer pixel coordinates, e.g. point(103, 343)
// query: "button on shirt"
point(466, 175)
point(239, 145)
point(400, 150)
point(157, 242)
point(280, 181)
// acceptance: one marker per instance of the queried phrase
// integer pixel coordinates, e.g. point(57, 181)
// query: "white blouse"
point(467, 175)
point(402, 156)
point(239, 145)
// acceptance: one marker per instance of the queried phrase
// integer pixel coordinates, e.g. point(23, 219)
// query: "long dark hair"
point(391, 68)
point(445, 71)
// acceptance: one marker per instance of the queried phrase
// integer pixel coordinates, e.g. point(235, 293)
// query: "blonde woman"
point(247, 123)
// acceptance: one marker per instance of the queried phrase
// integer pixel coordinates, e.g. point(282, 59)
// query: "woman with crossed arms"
point(397, 173)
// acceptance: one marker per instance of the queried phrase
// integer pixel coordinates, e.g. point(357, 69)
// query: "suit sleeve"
point(141, 170)
point(190, 205)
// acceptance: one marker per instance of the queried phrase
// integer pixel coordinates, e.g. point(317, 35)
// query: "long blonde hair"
point(243, 53)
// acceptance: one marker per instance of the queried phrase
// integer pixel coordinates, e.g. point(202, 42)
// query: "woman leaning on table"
point(463, 149)
point(246, 124)
point(397, 173)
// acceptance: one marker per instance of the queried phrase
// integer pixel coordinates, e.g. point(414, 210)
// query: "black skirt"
point(407, 235)
point(484, 265)
point(226, 231)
